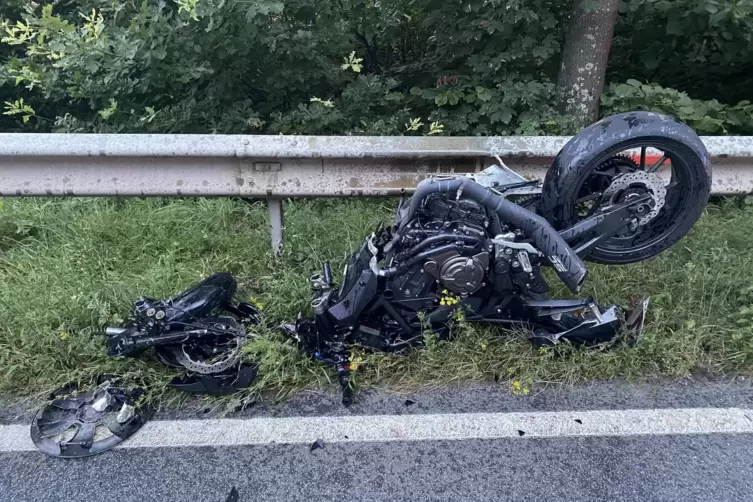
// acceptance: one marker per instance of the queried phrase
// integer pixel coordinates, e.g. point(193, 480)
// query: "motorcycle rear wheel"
point(594, 159)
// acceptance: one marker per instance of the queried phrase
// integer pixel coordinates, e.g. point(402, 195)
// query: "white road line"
point(366, 428)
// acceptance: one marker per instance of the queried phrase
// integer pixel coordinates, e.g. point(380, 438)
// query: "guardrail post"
point(274, 208)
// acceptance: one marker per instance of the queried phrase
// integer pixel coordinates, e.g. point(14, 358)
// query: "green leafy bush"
point(703, 47)
point(706, 117)
point(476, 67)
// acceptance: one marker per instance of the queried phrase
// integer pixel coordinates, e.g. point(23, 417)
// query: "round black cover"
point(87, 423)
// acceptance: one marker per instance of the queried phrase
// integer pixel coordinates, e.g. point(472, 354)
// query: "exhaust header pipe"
point(568, 265)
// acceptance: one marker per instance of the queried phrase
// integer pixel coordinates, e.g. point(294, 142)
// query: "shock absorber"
point(322, 286)
point(327, 273)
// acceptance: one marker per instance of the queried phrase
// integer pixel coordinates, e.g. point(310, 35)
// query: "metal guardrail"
point(276, 167)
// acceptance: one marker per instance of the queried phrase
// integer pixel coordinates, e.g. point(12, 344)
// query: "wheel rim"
point(653, 156)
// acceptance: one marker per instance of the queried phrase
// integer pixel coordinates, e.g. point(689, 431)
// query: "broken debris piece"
point(65, 390)
point(199, 330)
point(233, 496)
point(317, 445)
point(88, 423)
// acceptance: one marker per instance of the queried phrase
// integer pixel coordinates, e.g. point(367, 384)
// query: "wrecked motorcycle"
point(621, 191)
point(200, 331)
point(473, 246)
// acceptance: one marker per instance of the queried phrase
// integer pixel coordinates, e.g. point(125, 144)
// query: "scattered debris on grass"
point(74, 266)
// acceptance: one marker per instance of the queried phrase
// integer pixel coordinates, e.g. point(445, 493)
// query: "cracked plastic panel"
point(88, 423)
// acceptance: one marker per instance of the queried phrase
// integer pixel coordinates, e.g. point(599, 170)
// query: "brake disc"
point(209, 356)
point(188, 359)
point(649, 182)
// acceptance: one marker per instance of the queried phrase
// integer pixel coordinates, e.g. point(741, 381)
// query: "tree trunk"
point(585, 57)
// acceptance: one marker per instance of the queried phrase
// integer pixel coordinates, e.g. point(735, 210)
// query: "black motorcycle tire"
point(581, 156)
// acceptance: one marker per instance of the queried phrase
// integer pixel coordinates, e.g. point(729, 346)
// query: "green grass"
point(70, 267)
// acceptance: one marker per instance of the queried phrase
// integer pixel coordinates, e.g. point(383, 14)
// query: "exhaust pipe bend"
point(568, 265)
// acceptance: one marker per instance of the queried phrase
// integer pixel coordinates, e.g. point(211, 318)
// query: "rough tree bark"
point(585, 57)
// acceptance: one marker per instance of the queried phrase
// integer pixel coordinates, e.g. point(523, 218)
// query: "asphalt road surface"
point(682, 441)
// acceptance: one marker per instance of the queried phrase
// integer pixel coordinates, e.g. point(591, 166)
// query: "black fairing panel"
point(357, 264)
point(202, 299)
point(359, 289)
point(349, 307)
